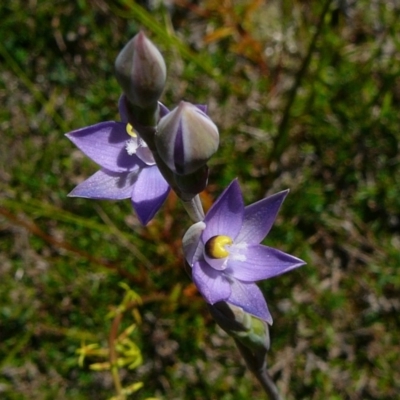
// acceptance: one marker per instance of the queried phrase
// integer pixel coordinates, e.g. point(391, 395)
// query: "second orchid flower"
point(226, 256)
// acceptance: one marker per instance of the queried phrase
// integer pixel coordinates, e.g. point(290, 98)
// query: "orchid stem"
point(258, 366)
point(194, 209)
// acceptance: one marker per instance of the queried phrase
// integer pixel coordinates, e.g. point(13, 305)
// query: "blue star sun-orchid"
point(128, 169)
point(226, 256)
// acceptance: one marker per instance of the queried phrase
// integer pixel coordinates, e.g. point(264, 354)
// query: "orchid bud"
point(141, 72)
point(249, 330)
point(186, 138)
point(193, 183)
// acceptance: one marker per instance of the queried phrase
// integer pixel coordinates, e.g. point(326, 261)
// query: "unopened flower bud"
point(186, 138)
point(193, 183)
point(141, 72)
point(251, 331)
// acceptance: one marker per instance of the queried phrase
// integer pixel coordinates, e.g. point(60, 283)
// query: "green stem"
point(256, 363)
point(194, 209)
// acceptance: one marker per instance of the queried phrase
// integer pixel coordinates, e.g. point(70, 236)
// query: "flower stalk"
point(258, 366)
point(152, 150)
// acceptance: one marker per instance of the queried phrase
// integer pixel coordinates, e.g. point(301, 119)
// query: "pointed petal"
point(163, 110)
point(256, 262)
point(105, 144)
point(250, 298)
point(106, 185)
point(225, 217)
point(149, 193)
point(202, 107)
point(191, 242)
point(211, 283)
point(259, 218)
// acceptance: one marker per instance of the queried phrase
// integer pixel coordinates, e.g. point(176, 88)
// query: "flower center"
point(130, 131)
point(216, 246)
point(137, 146)
point(132, 144)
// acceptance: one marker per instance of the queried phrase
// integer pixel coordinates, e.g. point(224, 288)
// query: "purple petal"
point(259, 218)
point(219, 264)
point(202, 107)
point(211, 283)
point(250, 298)
point(163, 110)
point(105, 143)
point(256, 262)
point(106, 185)
point(145, 154)
point(123, 109)
point(149, 193)
point(225, 217)
point(179, 150)
point(192, 246)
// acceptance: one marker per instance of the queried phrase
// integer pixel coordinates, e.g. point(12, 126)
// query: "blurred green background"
point(306, 95)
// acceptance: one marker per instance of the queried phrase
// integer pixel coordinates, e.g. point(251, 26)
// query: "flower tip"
point(141, 72)
point(140, 37)
point(233, 189)
point(70, 136)
point(72, 193)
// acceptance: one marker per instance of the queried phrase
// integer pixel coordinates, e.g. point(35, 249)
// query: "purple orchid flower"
point(128, 169)
point(226, 256)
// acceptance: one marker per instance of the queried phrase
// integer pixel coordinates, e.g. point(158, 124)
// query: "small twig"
point(113, 354)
